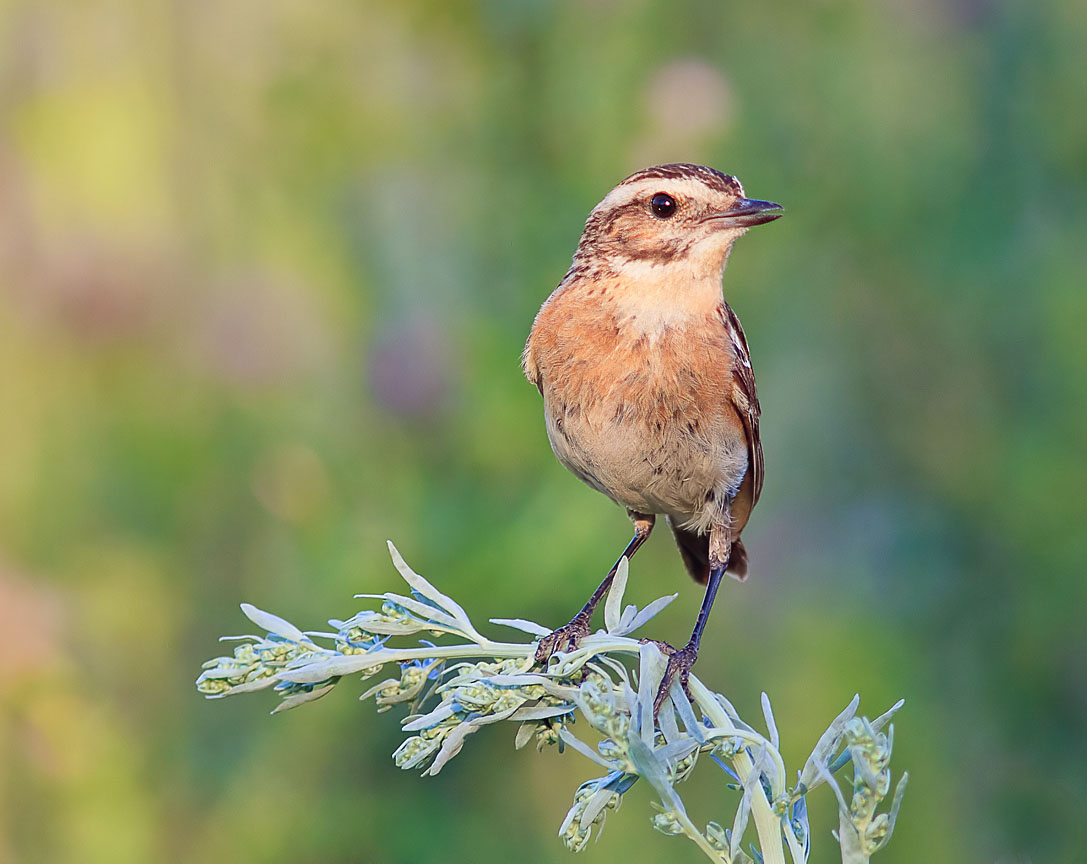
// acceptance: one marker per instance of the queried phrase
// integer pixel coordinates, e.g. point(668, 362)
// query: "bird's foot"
point(566, 638)
point(680, 661)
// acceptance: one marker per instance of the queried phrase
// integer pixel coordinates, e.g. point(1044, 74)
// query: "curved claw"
point(565, 638)
point(680, 662)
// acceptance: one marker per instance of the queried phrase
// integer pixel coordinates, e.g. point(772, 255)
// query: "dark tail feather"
point(737, 561)
point(695, 551)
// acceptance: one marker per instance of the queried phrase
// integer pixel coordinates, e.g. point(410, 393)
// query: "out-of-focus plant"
point(453, 690)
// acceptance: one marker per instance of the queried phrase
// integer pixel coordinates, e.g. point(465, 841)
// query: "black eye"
point(663, 205)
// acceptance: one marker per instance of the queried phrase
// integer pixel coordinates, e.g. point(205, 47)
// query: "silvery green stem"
point(767, 824)
point(455, 690)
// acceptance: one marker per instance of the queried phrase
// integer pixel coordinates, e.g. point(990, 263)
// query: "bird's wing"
point(746, 401)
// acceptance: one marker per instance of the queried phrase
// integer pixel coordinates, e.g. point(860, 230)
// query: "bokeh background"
point(266, 269)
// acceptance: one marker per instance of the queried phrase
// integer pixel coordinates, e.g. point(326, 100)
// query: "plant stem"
point(767, 823)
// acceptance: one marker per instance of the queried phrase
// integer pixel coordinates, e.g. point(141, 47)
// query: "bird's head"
point(684, 215)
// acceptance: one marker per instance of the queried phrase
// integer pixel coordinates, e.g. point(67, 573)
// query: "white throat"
point(658, 297)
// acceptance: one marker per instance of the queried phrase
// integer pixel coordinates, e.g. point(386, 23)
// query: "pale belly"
point(689, 475)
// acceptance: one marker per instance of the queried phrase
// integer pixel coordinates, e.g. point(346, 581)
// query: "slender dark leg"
point(569, 635)
point(681, 661)
point(712, 585)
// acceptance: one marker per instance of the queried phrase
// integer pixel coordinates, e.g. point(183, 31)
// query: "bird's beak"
point(747, 212)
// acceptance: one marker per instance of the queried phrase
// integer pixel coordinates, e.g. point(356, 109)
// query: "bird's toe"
point(679, 666)
point(565, 638)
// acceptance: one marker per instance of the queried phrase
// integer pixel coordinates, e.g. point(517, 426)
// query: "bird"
point(648, 389)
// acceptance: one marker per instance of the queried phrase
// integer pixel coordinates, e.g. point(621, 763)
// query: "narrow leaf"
point(248, 687)
point(651, 666)
point(651, 768)
point(524, 626)
point(525, 733)
point(896, 804)
point(739, 822)
point(301, 698)
point(827, 745)
point(442, 712)
point(541, 712)
point(337, 665)
point(598, 802)
point(686, 714)
point(583, 748)
point(377, 688)
point(427, 590)
point(768, 715)
point(879, 722)
point(421, 610)
point(667, 718)
point(646, 614)
point(488, 719)
point(451, 746)
point(613, 606)
point(273, 623)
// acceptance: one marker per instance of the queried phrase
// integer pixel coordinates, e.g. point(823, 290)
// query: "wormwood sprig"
point(452, 691)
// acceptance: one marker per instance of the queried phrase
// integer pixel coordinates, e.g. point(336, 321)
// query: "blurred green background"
point(266, 269)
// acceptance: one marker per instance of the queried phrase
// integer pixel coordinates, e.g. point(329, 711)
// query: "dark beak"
point(747, 212)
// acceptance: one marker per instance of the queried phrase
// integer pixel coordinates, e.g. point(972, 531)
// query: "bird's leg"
point(681, 660)
point(569, 636)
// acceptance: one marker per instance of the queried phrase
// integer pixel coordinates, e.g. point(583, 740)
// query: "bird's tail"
point(695, 551)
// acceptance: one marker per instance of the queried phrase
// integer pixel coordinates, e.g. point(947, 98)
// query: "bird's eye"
point(664, 205)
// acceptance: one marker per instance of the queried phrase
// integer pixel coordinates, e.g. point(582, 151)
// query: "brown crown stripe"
point(684, 171)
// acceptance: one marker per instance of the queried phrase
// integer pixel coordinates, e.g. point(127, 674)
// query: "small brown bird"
point(649, 395)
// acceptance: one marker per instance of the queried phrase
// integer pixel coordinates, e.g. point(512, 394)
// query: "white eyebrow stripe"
point(627, 193)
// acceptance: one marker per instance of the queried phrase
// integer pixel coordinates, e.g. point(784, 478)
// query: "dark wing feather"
point(746, 400)
point(694, 548)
